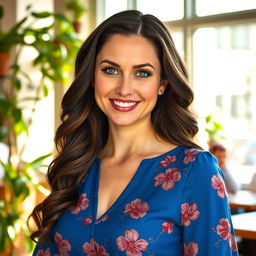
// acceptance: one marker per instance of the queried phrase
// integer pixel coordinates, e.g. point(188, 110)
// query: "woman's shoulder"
point(201, 163)
point(187, 159)
point(190, 159)
point(189, 156)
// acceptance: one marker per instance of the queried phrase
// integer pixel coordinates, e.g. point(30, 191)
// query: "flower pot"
point(77, 26)
point(5, 59)
point(7, 251)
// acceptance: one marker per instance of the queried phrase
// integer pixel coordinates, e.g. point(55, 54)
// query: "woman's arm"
point(205, 213)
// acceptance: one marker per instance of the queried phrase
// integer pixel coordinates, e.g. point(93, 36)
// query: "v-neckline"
point(135, 178)
point(123, 194)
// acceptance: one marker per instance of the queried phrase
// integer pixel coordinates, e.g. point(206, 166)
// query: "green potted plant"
point(77, 9)
point(17, 186)
point(213, 129)
point(56, 46)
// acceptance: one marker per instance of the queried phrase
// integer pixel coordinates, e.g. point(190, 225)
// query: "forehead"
point(129, 48)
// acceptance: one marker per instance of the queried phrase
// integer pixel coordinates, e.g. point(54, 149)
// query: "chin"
point(123, 121)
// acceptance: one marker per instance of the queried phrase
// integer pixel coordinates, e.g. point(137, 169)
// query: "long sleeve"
point(205, 214)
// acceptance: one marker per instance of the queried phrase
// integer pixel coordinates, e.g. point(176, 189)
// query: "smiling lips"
point(124, 105)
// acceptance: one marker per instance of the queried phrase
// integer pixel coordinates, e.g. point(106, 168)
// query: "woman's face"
point(127, 79)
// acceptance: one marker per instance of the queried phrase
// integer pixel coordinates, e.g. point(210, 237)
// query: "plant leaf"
point(3, 133)
point(30, 99)
point(4, 238)
point(20, 187)
point(21, 127)
point(28, 7)
point(41, 15)
point(42, 189)
point(17, 83)
point(14, 30)
point(39, 160)
point(45, 91)
point(5, 106)
point(16, 112)
point(9, 173)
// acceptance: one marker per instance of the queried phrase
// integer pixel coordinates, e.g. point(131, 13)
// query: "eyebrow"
point(135, 66)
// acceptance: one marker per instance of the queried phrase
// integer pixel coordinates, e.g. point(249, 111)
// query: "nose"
point(125, 86)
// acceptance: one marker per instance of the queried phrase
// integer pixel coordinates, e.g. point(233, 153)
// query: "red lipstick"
point(124, 105)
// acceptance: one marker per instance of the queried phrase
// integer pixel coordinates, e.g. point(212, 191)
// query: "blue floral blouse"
point(175, 204)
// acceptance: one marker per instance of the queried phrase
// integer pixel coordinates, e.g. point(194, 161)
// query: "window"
point(115, 6)
point(224, 80)
point(43, 117)
point(217, 39)
point(165, 10)
point(209, 7)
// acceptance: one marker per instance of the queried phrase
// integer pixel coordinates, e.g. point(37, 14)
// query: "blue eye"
point(143, 74)
point(110, 71)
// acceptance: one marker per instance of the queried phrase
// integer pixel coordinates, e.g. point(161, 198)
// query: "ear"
point(162, 87)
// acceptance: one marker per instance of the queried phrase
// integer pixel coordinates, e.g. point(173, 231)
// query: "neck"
point(139, 139)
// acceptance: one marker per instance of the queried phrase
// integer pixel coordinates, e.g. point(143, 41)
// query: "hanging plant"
point(77, 9)
point(56, 46)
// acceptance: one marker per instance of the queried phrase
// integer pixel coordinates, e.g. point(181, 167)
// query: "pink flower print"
point(87, 221)
point(105, 218)
point(232, 243)
point(218, 184)
point(168, 160)
point(63, 245)
point(167, 227)
point(136, 209)
point(82, 204)
point(43, 252)
point(131, 244)
point(188, 213)
point(94, 249)
point(168, 178)
point(190, 155)
point(223, 229)
point(191, 249)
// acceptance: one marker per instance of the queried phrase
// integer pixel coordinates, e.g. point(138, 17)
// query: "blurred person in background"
point(220, 152)
point(252, 185)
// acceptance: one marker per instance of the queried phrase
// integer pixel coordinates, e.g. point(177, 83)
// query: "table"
point(245, 225)
point(243, 199)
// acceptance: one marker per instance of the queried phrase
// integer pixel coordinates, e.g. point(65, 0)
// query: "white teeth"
point(124, 104)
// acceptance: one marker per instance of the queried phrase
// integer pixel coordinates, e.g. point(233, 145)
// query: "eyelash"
point(105, 70)
point(148, 74)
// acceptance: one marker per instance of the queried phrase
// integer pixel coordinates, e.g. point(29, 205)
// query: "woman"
point(128, 179)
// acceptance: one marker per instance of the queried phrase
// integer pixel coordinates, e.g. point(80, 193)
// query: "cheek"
point(101, 87)
point(150, 91)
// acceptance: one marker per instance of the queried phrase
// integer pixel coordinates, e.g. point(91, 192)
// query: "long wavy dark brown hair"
point(84, 128)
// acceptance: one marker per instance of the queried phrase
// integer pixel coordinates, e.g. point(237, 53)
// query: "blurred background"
point(38, 44)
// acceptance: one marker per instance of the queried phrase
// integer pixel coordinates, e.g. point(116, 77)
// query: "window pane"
point(178, 38)
point(165, 10)
point(224, 78)
point(41, 131)
point(114, 6)
point(209, 7)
